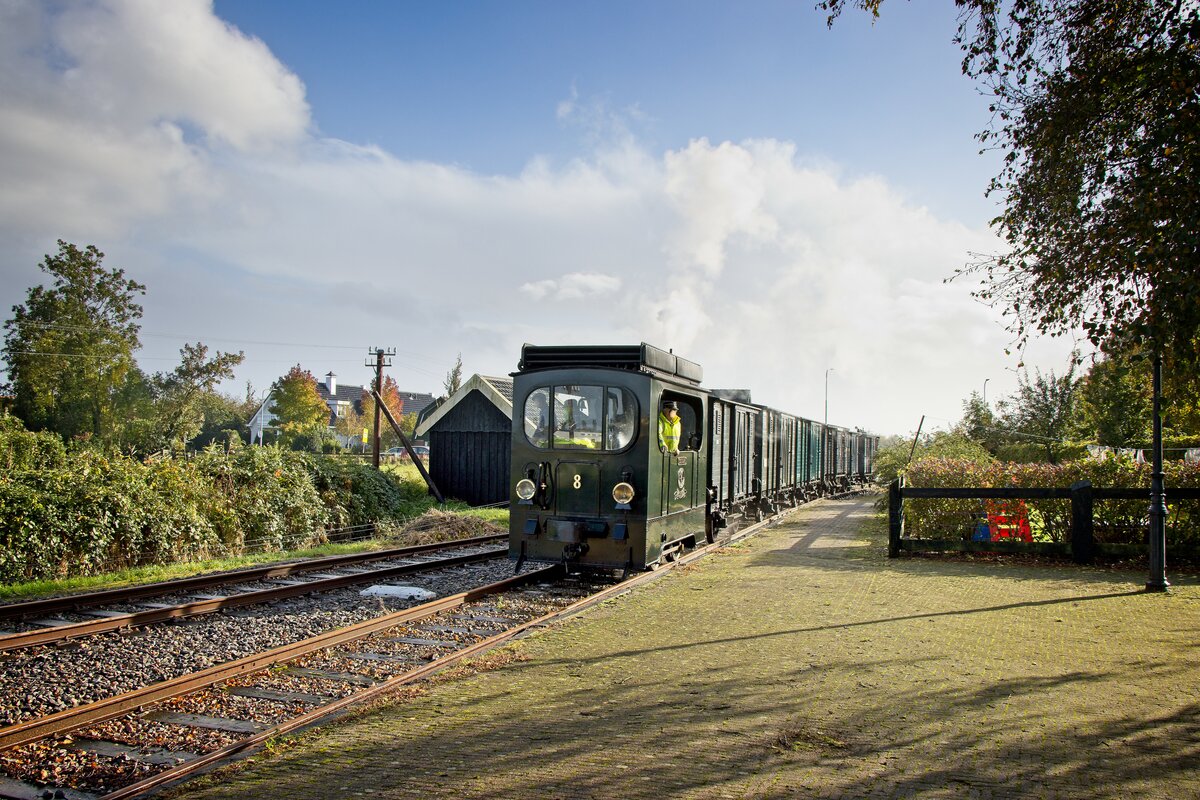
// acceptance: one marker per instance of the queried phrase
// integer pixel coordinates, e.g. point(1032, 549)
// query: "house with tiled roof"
point(341, 401)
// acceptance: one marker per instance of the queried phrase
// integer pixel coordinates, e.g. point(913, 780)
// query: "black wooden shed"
point(469, 441)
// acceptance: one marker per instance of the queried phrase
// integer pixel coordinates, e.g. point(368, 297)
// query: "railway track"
point(128, 745)
point(137, 742)
point(108, 610)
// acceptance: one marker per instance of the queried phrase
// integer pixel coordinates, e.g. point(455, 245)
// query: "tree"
point(70, 346)
point(408, 424)
point(297, 407)
point(1181, 385)
point(179, 414)
point(225, 419)
point(892, 458)
point(453, 380)
point(980, 425)
point(394, 403)
point(1116, 397)
point(351, 424)
point(1096, 109)
point(1044, 410)
point(1115, 401)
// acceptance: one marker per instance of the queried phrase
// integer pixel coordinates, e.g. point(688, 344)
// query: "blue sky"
point(478, 84)
point(302, 181)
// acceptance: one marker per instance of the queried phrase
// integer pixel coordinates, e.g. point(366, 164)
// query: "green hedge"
point(67, 512)
point(1116, 521)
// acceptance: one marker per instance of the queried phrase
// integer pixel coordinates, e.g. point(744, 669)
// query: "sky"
point(775, 199)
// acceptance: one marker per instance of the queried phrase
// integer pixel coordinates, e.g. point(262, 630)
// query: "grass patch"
point(807, 739)
point(154, 573)
point(420, 501)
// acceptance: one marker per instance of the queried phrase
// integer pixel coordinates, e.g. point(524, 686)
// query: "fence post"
point(1083, 543)
point(895, 518)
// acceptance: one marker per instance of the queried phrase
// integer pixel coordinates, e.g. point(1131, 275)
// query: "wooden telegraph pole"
point(379, 363)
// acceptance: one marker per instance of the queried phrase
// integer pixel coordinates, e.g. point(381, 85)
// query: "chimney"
point(331, 383)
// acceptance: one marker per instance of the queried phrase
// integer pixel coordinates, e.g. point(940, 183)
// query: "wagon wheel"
point(758, 514)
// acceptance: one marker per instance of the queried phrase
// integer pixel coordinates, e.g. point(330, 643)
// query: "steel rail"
point(89, 599)
point(13, 641)
point(70, 719)
point(61, 722)
point(183, 771)
point(186, 769)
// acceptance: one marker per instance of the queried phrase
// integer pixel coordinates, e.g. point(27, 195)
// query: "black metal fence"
point(1081, 545)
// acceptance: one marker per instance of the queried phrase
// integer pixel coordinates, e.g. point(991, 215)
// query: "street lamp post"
point(1158, 502)
point(985, 382)
point(827, 395)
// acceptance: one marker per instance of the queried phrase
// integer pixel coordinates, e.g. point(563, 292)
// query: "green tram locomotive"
point(591, 486)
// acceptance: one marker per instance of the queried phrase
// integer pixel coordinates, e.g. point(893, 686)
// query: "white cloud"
point(114, 110)
point(573, 286)
point(185, 150)
point(718, 193)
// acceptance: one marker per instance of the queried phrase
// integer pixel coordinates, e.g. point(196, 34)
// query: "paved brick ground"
point(803, 663)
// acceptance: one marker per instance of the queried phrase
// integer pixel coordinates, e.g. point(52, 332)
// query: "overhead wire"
point(94, 329)
point(404, 356)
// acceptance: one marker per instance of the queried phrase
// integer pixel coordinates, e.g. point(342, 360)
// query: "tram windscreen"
point(574, 417)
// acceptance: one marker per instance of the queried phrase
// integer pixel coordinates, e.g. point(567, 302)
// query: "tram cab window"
point(620, 418)
point(691, 436)
point(578, 414)
point(581, 418)
point(537, 417)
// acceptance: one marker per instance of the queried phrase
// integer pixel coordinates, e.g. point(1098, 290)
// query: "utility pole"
point(379, 363)
point(913, 450)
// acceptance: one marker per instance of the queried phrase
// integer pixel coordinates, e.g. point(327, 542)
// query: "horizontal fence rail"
point(1082, 495)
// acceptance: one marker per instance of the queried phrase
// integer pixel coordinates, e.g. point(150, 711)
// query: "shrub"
point(1116, 521)
point(892, 460)
point(356, 493)
point(83, 511)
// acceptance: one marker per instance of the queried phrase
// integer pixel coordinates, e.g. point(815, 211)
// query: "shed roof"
point(497, 390)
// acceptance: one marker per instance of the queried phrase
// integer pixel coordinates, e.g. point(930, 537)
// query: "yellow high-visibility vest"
point(669, 431)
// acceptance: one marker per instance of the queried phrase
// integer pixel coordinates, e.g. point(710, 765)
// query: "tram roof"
point(634, 357)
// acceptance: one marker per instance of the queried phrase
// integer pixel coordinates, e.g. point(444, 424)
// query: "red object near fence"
point(1009, 521)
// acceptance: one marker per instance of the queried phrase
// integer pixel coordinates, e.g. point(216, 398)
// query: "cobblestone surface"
point(802, 663)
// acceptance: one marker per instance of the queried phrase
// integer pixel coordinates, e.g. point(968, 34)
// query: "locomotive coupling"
point(575, 551)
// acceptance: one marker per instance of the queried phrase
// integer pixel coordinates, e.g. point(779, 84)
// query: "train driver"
point(670, 427)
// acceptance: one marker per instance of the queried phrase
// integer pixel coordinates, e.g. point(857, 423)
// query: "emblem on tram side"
point(681, 481)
